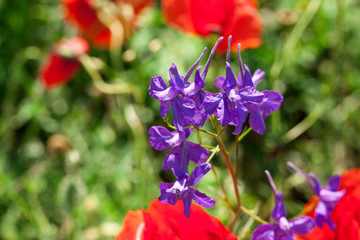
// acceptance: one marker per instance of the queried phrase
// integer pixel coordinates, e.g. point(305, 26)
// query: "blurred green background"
point(80, 183)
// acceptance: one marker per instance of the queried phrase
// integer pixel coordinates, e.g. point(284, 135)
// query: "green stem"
point(206, 132)
point(225, 198)
point(251, 214)
point(238, 139)
point(226, 156)
point(216, 150)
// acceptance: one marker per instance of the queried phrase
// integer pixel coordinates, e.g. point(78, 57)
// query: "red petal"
point(244, 26)
point(211, 16)
point(58, 69)
point(177, 13)
point(164, 221)
point(133, 226)
point(84, 17)
point(350, 179)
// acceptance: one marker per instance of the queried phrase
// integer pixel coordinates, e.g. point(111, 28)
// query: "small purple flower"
point(328, 196)
point(283, 229)
point(183, 96)
point(182, 189)
point(182, 151)
point(240, 98)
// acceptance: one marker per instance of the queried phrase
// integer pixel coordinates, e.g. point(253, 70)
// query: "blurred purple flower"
point(283, 229)
point(328, 196)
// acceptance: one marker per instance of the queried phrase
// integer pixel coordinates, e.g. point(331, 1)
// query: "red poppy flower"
point(63, 61)
point(164, 221)
point(346, 214)
point(238, 18)
point(85, 16)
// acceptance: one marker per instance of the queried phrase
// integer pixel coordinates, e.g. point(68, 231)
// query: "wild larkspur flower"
point(182, 189)
point(177, 160)
point(181, 95)
point(240, 98)
point(181, 152)
point(328, 196)
point(283, 229)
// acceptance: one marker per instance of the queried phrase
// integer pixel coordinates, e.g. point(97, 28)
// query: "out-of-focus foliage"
point(80, 185)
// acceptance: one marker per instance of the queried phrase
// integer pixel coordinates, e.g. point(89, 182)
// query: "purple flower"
point(328, 196)
point(241, 98)
point(182, 189)
point(183, 96)
point(283, 229)
point(182, 151)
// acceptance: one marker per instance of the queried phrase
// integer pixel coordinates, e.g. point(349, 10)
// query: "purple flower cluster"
point(283, 228)
point(328, 196)
point(181, 152)
point(192, 106)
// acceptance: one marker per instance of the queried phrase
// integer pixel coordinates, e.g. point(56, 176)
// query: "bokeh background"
point(80, 183)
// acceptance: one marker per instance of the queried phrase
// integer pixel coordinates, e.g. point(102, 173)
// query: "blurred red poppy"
point(346, 214)
point(104, 23)
point(238, 18)
point(164, 221)
point(63, 61)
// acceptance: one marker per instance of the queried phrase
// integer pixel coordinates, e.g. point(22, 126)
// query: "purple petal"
point(164, 108)
point(202, 199)
point(157, 84)
point(207, 65)
point(331, 198)
point(257, 122)
point(211, 102)
point(333, 183)
point(166, 95)
point(233, 95)
point(173, 162)
point(272, 101)
point(183, 112)
point(302, 225)
point(247, 79)
point(241, 74)
point(175, 79)
point(198, 173)
point(165, 186)
point(322, 215)
point(219, 82)
point(196, 153)
point(187, 196)
point(230, 80)
point(165, 196)
point(242, 111)
point(196, 86)
point(279, 210)
point(161, 139)
point(257, 76)
point(265, 232)
point(251, 94)
point(238, 128)
point(317, 185)
point(224, 115)
point(301, 172)
point(192, 68)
